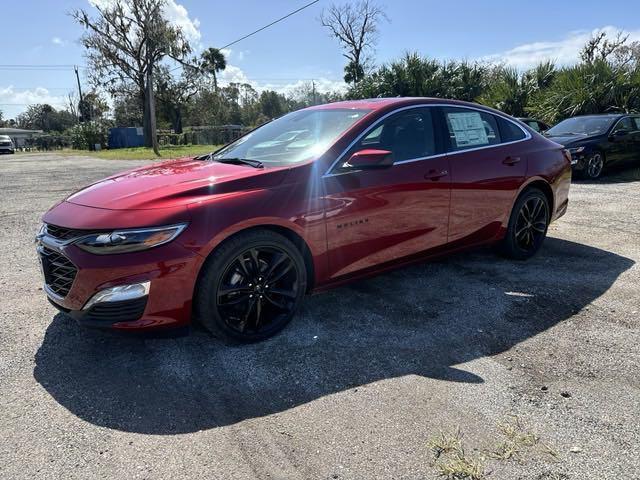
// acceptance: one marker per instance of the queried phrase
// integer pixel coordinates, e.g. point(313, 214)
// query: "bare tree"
point(125, 44)
point(599, 47)
point(355, 25)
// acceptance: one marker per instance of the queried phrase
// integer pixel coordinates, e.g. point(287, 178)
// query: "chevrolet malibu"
point(317, 198)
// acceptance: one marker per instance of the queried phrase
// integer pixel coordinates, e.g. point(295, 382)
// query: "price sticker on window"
point(468, 129)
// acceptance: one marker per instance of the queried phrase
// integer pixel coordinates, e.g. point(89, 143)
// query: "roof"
point(390, 102)
point(17, 131)
point(378, 103)
point(610, 115)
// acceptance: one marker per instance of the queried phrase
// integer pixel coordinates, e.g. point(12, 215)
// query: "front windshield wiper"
point(240, 161)
point(562, 134)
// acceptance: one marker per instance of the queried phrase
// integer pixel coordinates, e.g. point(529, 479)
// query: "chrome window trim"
point(375, 124)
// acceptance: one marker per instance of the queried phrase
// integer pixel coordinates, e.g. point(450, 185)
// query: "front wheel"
point(251, 286)
point(594, 166)
point(527, 225)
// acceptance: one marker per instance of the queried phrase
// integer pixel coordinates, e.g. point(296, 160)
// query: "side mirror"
point(369, 159)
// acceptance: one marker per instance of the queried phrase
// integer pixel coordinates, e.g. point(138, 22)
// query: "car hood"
point(174, 183)
point(572, 140)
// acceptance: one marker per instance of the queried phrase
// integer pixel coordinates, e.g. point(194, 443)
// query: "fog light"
point(119, 294)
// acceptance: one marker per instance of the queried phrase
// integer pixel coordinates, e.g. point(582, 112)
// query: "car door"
point(621, 141)
point(381, 215)
point(634, 155)
point(487, 168)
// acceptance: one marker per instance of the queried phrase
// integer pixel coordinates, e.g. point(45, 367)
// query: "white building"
point(19, 135)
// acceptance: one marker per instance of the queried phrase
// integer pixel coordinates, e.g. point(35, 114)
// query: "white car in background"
point(6, 144)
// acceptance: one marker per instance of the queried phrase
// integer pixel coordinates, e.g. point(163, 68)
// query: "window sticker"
point(468, 129)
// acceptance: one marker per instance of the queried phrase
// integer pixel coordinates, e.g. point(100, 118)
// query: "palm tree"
point(212, 62)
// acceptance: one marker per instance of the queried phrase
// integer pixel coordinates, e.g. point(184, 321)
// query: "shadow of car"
point(422, 320)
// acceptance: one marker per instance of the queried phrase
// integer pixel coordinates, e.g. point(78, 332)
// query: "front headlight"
point(576, 150)
point(125, 241)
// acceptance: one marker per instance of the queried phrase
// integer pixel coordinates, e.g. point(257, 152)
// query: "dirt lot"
point(536, 363)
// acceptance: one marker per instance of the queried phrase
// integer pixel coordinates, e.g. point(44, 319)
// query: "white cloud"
point(13, 101)
point(234, 74)
point(176, 14)
point(562, 52)
point(58, 41)
point(323, 85)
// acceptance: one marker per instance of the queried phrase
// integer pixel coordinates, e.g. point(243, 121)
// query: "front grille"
point(5, 144)
point(63, 233)
point(123, 311)
point(59, 272)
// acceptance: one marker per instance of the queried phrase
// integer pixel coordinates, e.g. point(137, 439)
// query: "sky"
point(299, 49)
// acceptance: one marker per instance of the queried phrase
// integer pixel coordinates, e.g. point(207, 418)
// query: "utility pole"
point(75, 68)
point(313, 90)
point(151, 105)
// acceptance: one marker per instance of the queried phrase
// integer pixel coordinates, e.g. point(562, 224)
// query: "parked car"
point(597, 142)
point(235, 238)
point(537, 125)
point(6, 144)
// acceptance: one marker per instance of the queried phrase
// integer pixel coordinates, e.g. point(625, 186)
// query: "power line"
point(14, 88)
point(69, 66)
point(272, 23)
point(260, 29)
point(37, 68)
point(28, 65)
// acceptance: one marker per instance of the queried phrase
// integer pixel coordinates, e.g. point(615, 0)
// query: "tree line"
point(128, 40)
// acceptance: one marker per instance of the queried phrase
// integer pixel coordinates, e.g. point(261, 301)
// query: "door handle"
point(435, 175)
point(511, 161)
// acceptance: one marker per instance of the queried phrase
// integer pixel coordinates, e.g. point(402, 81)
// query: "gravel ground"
point(360, 382)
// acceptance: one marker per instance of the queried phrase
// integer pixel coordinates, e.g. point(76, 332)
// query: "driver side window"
point(624, 125)
point(407, 135)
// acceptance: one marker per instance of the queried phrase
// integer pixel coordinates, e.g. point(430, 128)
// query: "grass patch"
point(451, 461)
point(517, 440)
point(144, 153)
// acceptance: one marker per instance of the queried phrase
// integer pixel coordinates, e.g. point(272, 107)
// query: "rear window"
point(510, 132)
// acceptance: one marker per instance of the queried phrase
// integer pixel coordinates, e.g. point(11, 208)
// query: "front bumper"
point(107, 314)
point(168, 273)
point(578, 161)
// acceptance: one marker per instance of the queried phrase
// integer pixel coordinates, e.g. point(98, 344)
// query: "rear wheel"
point(527, 225)
point(251, 286)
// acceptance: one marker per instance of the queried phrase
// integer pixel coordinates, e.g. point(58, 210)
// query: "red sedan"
point(316, 198)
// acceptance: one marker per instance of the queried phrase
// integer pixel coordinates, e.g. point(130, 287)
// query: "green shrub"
point(85, 136)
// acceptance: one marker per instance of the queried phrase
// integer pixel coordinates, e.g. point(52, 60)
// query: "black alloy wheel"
point(259, 286)
point(251, 286)
point(531, 225)
point(595, 165)
point(528, 225)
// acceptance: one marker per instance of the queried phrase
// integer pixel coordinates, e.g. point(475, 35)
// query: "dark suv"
point(599, 141)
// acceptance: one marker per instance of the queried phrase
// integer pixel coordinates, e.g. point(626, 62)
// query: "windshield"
point(295, 137)
point(581, 126)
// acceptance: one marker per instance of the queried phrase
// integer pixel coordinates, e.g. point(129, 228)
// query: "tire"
point(528, 225)
point(594, 166)
point(250, 287)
